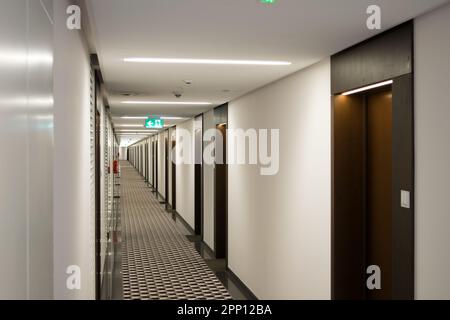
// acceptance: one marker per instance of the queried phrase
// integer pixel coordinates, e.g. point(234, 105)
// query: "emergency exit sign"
point(154, 123)
point(267, 1)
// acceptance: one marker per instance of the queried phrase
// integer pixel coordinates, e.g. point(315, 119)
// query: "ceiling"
point(300, 31)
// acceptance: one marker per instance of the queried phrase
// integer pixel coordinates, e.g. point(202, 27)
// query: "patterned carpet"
point(158, 262)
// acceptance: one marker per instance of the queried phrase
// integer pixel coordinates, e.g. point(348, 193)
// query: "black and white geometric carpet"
point(158, 262)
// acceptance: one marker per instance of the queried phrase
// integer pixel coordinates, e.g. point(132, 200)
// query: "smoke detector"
point(129, 94)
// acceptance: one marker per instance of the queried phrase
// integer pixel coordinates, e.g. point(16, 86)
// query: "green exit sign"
point(154, 123)
point(267, 1)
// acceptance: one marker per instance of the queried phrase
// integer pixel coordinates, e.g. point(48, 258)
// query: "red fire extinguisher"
point(116, 166)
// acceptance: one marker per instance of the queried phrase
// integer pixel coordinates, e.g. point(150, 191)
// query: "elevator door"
point(362, 195)
point(379, 189)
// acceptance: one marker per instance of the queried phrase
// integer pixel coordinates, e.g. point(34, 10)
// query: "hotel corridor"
point(158, 261)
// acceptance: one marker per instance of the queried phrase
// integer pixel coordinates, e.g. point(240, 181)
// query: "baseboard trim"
point(242, 285)
point(160, 196)
point(185, 224)
point(210, 251)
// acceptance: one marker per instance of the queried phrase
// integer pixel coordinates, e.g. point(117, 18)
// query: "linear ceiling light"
point(130, 125)
point(373, 86)
point(134, 118)
point(167, 102)
point(139, 130)
point(210, 61)
point(172, 118)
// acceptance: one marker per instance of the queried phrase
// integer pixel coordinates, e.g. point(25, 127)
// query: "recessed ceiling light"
point(167, 102)
point(209, 61)
point(129, 94)
point(188, 82)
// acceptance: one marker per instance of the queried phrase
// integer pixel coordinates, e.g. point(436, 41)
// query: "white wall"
point(432, 116)
point(185, 176)
point(74, 223)
point(26, 136)
point(208, 186)
point(122, 153)
point(279, 226)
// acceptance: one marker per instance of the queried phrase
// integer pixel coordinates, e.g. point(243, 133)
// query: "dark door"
point(220, 195)
point(147, 160)
point(166, 169)
point(174, 178)
point(198, 192)
point(156, 167)
point(379, 189)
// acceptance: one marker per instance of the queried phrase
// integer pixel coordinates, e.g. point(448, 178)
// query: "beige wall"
point(185, 177)
point(432, 116)
point(279, 226)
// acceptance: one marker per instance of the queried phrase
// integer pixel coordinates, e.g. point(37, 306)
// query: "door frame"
point(166, 168)
point(357, 67)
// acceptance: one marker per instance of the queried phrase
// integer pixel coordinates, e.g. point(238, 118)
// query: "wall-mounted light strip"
point(208, 61)
point(372, 86)
point(174, 103)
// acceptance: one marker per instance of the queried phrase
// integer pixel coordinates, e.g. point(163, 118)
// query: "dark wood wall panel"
point(403, 179)
point(221, 114)
point(383, 57)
